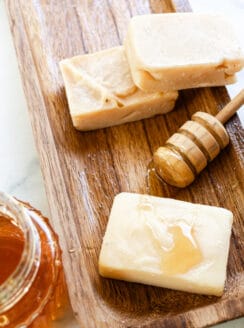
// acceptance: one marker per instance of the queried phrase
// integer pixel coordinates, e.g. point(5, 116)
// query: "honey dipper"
point(188, 151)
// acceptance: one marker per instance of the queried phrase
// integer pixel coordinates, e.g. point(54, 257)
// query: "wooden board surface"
point(84, 171)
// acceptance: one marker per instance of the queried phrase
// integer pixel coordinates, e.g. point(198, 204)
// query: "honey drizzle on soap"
point(184, 253)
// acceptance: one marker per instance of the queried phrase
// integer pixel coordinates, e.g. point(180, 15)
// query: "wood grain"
point(84, 171)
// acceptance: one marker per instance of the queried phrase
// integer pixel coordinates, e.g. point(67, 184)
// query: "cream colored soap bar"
point(167, 243)
point(182, 50)
point(101, 92)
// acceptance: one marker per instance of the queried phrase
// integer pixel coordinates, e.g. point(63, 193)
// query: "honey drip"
point(174, 242)
point(184, 255)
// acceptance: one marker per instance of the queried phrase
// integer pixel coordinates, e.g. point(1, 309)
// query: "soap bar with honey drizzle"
point(167, 243)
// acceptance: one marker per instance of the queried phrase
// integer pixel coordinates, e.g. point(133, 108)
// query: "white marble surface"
point(19, 165)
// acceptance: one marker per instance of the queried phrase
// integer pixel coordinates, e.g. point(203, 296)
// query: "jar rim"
point(20, 280)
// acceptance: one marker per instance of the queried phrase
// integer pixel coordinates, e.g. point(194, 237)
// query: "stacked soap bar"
point(162, 52)
point(101, 92)
point(181, 51)
point(167, 243)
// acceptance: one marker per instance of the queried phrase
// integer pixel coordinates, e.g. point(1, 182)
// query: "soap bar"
point(101, 92)
point(167, 243)
point(182, 50)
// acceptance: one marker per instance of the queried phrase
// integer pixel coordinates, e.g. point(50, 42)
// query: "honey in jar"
point(33, 292)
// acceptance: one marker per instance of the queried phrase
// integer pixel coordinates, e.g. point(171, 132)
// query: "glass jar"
point(33, 292)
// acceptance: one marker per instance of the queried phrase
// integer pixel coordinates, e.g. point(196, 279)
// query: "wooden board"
point(84, 171)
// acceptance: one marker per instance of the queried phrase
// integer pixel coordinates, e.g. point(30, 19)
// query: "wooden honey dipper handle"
point(188, 151)
point(229, 110)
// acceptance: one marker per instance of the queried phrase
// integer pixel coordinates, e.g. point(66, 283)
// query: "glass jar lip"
point(19, 282)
